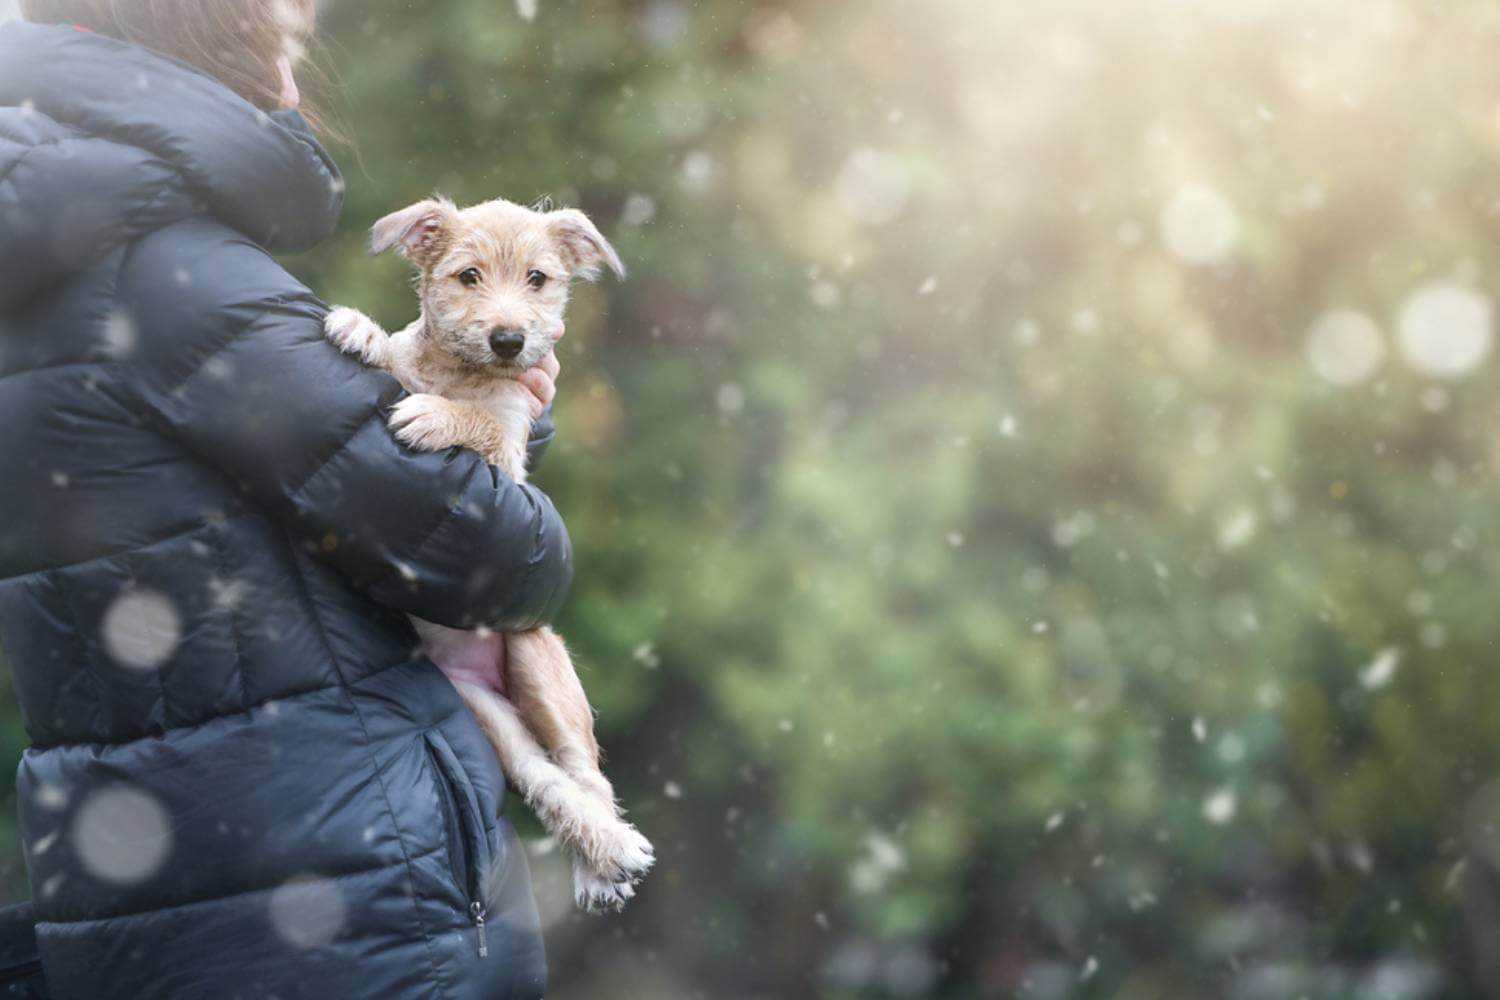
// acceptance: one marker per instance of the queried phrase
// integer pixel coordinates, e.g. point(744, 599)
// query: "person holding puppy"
point(243, 779)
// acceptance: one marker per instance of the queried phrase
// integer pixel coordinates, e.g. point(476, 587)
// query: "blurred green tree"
point(1035, 495)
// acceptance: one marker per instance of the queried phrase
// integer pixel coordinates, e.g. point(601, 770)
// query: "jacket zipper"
point(477, 912)
point(462, 863)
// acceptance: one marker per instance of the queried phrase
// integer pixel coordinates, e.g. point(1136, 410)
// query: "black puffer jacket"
point(244, 782)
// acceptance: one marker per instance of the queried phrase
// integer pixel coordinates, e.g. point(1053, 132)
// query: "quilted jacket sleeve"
point(248, 383)
point(542, 433)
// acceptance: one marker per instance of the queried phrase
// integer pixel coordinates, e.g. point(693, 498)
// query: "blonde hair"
point(237, 42)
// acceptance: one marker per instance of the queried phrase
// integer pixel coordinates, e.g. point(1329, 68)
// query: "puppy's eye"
point(536, 279)
point(469, 276)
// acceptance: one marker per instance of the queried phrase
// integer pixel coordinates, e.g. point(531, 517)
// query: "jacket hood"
point(128, 130)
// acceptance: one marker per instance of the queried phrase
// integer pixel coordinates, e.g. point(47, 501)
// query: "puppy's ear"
point(582, 247)
point(418, 232)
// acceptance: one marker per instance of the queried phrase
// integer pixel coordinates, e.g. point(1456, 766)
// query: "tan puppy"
point(493, 282)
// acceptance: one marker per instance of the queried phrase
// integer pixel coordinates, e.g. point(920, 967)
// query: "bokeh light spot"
point(308, 911)
point(1199, 225)
point(872, 186)
point(1446, 329)
point(122, 835)
point(1345, 347)
point(141, 629)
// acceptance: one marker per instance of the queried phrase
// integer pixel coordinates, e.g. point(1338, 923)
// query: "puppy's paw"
point(616, 850)
point(594, 893)
point(355, 333)
point(426, 422)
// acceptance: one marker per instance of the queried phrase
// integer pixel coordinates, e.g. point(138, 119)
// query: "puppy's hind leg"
point(544, 686)
point(547, 692)
point(567, 811)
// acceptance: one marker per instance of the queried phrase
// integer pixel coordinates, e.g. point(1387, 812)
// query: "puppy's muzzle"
point(506, 343)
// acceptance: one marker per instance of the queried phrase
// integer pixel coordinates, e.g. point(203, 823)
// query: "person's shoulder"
point(200, 265)
point(197, 287)
point(70, 201)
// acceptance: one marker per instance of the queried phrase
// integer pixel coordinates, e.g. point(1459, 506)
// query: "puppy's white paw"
point(617, 851)
point(594, 893)
point(355, 333)
point(425, 422)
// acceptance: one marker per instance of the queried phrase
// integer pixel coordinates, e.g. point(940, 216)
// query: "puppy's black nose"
point(506, 343)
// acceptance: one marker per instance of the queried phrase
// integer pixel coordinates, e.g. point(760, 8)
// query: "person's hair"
point(237, 42)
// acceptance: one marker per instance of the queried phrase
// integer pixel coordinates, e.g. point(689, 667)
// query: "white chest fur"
point(502, 401)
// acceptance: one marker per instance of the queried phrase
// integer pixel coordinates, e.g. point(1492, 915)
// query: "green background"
point(986, 581)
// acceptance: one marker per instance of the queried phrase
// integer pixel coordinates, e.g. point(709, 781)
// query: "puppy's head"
point(494, 277)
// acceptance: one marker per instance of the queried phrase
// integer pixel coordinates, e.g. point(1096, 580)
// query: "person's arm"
point(252, 387)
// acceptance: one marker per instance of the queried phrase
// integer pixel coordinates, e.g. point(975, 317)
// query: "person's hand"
point(541, 381)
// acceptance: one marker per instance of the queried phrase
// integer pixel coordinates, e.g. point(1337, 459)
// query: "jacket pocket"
point(468, 844)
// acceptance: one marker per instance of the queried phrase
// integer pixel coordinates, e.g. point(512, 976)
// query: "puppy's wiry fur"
point(493, 282)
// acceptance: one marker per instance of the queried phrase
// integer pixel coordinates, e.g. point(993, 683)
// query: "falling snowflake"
point(1345, 348)
point(527, 9)
point(1446, 329)
point(1381, 670)
point(731, 398)
point(1199, 225)
point(872, 186)
point(825, 294)
point(141, 629)
point(118, 334)
point(883, 859)
point(308, 911)
point(697, 171)
point(1219, 808)
point(122, 835)
point(51, 797)
point(639, 209)
point(1237, 528)
point(1231, 749)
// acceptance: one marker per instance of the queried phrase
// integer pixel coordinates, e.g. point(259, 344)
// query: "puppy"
point(493, 281)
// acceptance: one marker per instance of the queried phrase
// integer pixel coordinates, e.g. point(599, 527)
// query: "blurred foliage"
point(990, 580)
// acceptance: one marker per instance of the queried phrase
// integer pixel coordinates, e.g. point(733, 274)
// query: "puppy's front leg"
point(355, 333)
point(434, 423)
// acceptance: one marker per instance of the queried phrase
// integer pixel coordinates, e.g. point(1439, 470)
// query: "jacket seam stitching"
point(222, 559)
point(215, 899)
point(80, 363)
point(40, 745)
point(338, 450)
point(146, 209)
point(443, 521)
point(29, 150)
point(411, 872)
point(122, 553)
point(218, 349)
